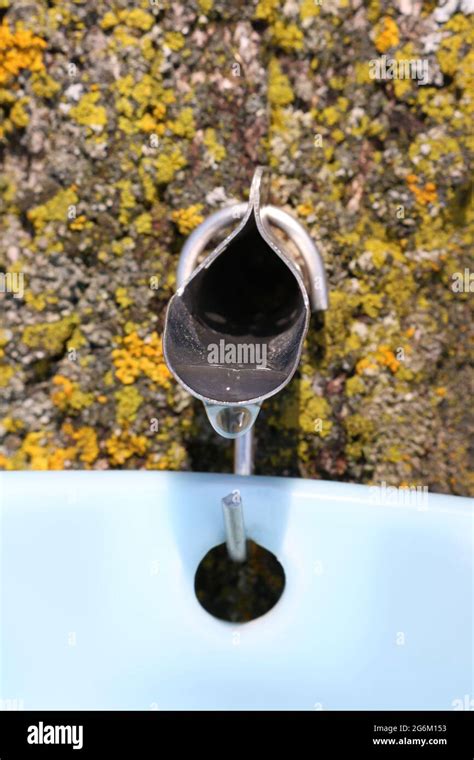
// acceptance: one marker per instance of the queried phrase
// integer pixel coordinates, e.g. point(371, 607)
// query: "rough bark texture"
point(125, 123)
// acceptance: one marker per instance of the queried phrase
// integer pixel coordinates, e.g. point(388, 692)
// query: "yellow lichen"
point(143, 224)
point(174, 41)
point(43, 85)
point(129, 401)
point(205, 5)
point(454, 46)
point(147, 123)
point(80, 223)
point(109, 20)
point(215, 149)
point(12, 424)
point(287, 36)
point(168, 163)
point(122, 297)
point(354, 386)
point(188, 218)
point(279, 89)
point(267, 9)
point(393, 454)
point(127, 199)
point(137, 19)
point(88, 113)
point(184, 125)
point(6, 374)
point(372, 303)
point(378, 250)
point(123, 246)
point(54, 210)
point(173, 459)
point(18, 116)
point(309, 9)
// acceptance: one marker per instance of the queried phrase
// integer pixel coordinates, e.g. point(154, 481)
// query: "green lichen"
point(54, 210)
point(306, 411)
point(215, 149)
point(287, 36)
point(129, 401)
point(360, 432)
point(184, 125)
point(6, 374)
point(279, 89)
point(168, 163)
point(50, 337)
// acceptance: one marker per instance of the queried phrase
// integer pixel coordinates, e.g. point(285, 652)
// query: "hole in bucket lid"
point(239, 591)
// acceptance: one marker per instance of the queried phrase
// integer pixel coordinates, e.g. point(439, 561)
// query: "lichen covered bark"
point(124, 124)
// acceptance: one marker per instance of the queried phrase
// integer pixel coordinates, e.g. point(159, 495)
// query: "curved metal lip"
point(312, 259)
point(254, 206)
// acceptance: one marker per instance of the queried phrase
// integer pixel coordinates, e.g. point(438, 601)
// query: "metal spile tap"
point(235, 327)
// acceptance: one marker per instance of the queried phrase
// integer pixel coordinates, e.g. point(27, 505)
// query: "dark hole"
point(239, 591)
point(249, 291)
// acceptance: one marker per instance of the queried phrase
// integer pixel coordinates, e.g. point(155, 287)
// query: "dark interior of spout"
point(248, 291)
point(234, 333)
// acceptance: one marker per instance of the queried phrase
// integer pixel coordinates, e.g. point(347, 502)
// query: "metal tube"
point(202, 235)
point(234, 527)
point(313, 260)
point(243, 454)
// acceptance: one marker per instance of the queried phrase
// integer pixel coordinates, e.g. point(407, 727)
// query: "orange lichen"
point(19, 50)
point(384, 357)
point(123, 445)
point(364, 364)
point(86, 442)
point(387, 358)
point(37, 453)
point(69, 395)
point(137, 356)
point(423, 195)
point(304, 209)
point(386, 34)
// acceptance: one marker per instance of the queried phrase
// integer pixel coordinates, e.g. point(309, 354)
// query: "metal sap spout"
point(235, 328)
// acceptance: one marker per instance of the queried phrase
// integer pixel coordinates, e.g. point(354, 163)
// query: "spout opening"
point(234, 332)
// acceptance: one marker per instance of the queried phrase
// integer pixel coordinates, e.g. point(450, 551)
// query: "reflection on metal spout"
point(232, 421)
point(234, 527)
